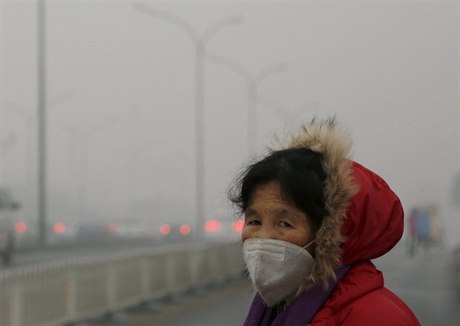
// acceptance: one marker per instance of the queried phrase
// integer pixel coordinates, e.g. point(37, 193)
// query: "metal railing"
point(77, 289)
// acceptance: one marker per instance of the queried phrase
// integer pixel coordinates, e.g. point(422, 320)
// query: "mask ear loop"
point(311, 278)
point(308, 244)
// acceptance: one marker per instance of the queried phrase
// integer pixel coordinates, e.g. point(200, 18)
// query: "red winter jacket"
point(361, 299)
point(374, 224)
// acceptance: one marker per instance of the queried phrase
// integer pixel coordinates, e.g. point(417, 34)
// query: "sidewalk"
point(425, 282)
point(224, 306)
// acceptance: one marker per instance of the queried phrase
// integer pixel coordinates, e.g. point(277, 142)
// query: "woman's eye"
point(285, 224)
point(253, 222)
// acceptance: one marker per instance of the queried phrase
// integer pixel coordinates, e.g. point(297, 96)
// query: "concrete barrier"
point(77, 289)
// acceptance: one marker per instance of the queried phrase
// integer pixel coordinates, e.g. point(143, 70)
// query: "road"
point(424, 282)
point(33, 256)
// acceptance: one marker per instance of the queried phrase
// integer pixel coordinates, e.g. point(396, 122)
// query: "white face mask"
point(277, 268)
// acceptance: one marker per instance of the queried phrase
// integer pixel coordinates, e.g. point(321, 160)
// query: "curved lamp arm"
point(170, 18)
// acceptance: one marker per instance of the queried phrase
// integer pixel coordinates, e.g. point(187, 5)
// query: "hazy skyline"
point(121, 98)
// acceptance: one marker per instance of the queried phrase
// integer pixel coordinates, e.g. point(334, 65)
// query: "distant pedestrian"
point(423, 228)
point(314, 219)
point(412, 237)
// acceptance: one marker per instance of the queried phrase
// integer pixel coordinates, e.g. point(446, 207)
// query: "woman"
point(313, 221)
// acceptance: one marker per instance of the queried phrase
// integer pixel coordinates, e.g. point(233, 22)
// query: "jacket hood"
point(365, 218)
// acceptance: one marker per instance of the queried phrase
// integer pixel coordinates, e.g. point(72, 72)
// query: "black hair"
point(301, 177)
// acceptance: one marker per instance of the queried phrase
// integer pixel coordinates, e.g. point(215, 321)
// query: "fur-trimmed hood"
point(365, 217)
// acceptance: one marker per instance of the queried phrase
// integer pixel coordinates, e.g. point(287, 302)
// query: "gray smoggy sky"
point(121, 98)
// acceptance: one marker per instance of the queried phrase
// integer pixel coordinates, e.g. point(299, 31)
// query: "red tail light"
point(212, 226)
point(165, 229)
point(185, 229)
point(20, 227)
point(59, 228)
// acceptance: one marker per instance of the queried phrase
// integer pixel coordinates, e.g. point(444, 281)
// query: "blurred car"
point(175, 231)
point(61, 232)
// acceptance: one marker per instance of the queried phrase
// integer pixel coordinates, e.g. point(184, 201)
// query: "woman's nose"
point(266, 233)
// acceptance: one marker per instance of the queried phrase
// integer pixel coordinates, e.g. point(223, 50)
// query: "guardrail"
point(60, 293)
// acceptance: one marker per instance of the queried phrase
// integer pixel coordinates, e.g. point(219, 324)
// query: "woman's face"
point(269, 216)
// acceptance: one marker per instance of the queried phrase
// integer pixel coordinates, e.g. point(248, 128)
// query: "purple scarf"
point(298, 313)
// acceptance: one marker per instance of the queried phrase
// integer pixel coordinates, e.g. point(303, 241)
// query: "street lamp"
point(41, 121)
point(253, 82)
point(199, 43)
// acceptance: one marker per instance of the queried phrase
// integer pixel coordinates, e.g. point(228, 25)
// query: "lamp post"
point(133, 157)
point(253, 82)
point(41, 130)
point(199, 43)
